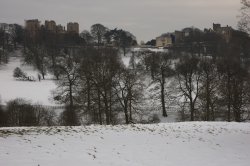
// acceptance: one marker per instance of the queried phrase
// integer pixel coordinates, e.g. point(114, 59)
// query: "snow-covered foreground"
point(36, 92)
point(173, 144)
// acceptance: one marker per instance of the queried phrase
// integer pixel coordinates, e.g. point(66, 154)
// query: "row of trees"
point(44, 47)
point(206, 88)
point(96, 87)
point(213, 87)
point(94, 82)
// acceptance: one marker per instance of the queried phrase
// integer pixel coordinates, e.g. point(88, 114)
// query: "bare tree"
point(244, 22)
point(160, 67)
point(234, 87)
point(106, 67)
point(189, 75)
point(68, 66)
point(37, 56)
point(87, 92)
point(128, 90)
point(209, 86)
point(98, 71)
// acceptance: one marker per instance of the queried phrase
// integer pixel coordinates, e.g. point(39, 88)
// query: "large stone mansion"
point(34, 25)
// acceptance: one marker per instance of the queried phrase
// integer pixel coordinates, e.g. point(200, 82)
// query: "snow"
point(175, 144)
point(36, 92)
point(125, 60)
point(138, 49)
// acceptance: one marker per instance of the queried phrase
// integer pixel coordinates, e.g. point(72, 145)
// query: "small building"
point(165, 40)
point(73, 27)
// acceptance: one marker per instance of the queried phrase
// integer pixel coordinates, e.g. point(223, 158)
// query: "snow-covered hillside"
point(36, 92)
point(174, 144)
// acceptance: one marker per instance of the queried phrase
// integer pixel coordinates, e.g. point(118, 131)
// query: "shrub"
point(45, 117)
point(20, 112)
point(19, 74)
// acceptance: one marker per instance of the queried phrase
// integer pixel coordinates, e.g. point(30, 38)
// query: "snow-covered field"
point(173, 144)
point(36, 92)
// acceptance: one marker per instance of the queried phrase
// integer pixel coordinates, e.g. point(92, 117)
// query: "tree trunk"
point(70, 97)
point(212, 112)
point(110, 106)
point(207, 102)
point(130, 110)
point(164, 112)
point(99, 107)
point(106, 110)
point(124, 51)
point(229, 99)
point(88, 95)
point(126, 112)
point(192, 111)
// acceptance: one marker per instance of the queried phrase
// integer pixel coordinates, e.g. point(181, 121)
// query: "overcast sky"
point(146, 19)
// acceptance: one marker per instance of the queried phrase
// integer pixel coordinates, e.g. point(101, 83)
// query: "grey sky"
point(146, 19)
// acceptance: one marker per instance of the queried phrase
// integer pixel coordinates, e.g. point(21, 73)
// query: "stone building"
point(32, 27)
point(73, 27)
point(50, 25)
point(165, 40)
point(226, 32)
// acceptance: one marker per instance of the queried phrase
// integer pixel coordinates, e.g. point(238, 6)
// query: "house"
point(165, 40)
